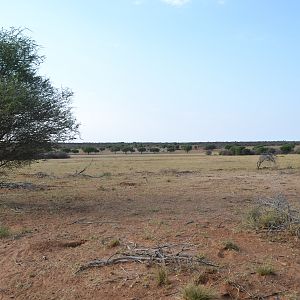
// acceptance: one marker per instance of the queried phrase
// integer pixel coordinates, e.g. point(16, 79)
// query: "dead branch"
point(81, 172)
point(85, 222)
point(162, 255)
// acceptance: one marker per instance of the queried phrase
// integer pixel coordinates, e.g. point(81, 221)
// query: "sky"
point(171, 70)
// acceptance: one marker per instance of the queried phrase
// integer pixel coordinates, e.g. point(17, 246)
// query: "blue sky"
point(171, 70)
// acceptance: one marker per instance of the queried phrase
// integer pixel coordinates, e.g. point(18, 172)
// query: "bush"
point(275, 214)
point(55, 155)
point(154, 150)
point(210, 147)
point(141, 149)
point(171, 148)
point(89, 150)
point(287, 148)
point(187, 148)
point(74, 151)
point(208, 152)
point(225, 152)
point(115, 149)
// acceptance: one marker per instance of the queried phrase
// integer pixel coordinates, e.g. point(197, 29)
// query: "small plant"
point(4, 232)
point(230, 245)
point(198, 292)
point(265, 270)
point(161, 276)
point(114, 243)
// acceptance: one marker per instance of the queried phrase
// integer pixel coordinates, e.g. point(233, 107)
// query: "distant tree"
point(210, 147)
point(34, 115)
point(66, 150)
point(171, 148)
point(115, 149)
point(90, 149)
point(127, 149)
point(187, 148)
point(287, 148)
point(154, 150)
point(141, 149)
point(101, 149)
point(74, 151)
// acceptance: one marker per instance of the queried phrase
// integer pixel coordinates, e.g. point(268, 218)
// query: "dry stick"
point(156, 255)
point(84, 222)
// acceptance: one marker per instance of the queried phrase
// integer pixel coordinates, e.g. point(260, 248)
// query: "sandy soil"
point(65, 221)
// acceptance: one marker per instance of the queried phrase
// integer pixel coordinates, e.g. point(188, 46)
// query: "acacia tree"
point(34, 115)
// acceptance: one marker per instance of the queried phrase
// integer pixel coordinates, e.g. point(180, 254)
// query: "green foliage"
point(198, 292)
point(126, 149)
point(74, 151)
point(115, 149)
point(141, 149)
point(171, 148)
point(90, 149)
point(154, 150)
point(287, 148)
point(4, 232)
point(210, 147)
point(187, 148)
point(34, 115)
point(54, 155)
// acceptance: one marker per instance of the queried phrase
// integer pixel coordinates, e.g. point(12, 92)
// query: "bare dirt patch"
point(75, 222)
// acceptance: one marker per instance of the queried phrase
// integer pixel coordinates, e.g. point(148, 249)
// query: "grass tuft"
point(265, 270)
point(230, 245)
point(4, 232)
point(198, 292)
point(161, 276)
point(114, 243)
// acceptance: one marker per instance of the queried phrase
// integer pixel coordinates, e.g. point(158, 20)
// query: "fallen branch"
point(162, 255)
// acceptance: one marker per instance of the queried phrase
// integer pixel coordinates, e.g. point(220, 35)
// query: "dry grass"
point(149, 200)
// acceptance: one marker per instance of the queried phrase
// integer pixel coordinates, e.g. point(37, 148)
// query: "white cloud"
point(176, 2)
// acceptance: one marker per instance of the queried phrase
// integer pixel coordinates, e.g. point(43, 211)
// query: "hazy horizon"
point(171, 70)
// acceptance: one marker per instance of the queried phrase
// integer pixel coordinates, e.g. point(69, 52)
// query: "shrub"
point(287, 148)
point(208, 152)
point(225, 152)
point(171, 148)
point(54, 155)
point(74, 151)
point(198, 292)
point(275, 214)
point(154, 150)
point(115, 149)
point(210, 147)
point(89, 150)
point(187, 148)
point(141, 149)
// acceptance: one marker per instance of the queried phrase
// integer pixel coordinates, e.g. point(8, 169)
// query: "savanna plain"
point(62, 218)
